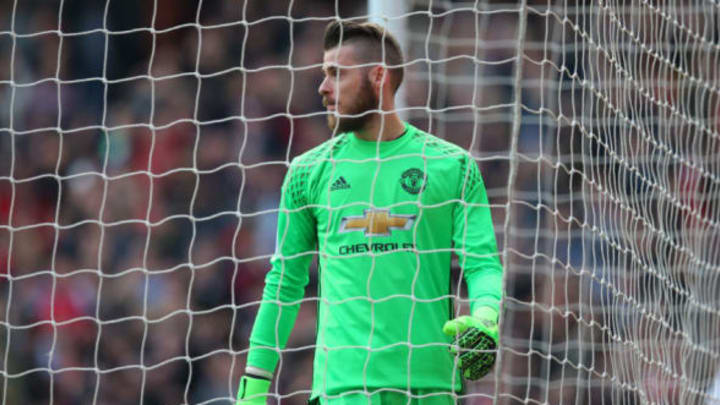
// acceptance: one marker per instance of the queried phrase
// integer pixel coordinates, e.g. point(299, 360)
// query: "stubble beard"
point(365, 101)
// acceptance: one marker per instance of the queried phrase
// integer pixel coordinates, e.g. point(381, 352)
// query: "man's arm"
point(286, 281)
point(474, 241)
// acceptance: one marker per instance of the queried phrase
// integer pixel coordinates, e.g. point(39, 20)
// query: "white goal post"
point(143, 145)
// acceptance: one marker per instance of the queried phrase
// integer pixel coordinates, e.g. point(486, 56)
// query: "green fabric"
point(385, 218)
point(252, 391)
point(418, 397)
point(476, 341)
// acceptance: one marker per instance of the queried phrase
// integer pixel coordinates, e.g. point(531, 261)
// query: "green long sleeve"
point(286, 281)
point(474, 241)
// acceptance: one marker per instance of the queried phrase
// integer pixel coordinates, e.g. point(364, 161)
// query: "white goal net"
point(143, 144)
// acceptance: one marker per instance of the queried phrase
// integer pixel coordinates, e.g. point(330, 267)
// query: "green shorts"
point(387, 397)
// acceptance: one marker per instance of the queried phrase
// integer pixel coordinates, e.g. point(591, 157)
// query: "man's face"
point(346, 90)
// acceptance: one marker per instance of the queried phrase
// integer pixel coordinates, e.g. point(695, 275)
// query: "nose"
point(324, 88)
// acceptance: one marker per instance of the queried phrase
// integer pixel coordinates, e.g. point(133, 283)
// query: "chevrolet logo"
point(376, 223)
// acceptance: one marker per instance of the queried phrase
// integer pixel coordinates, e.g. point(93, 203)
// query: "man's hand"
point(253, 390)
point(476, 338)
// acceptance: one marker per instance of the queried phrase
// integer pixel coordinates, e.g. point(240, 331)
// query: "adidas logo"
point(339, 184)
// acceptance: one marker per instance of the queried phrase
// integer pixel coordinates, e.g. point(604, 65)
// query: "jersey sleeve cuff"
point(490, 302)
point(262, 358)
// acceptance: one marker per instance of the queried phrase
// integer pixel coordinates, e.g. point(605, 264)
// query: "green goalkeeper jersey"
point(384, 219)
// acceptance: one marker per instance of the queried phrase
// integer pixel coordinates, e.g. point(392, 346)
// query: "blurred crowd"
point(142, 152)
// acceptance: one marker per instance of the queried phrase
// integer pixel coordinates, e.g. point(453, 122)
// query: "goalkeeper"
point(384, 205)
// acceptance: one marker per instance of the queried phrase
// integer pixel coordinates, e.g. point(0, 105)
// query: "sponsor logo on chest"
point(376, 222)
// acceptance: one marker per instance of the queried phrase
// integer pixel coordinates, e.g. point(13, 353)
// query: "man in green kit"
point(383, 205)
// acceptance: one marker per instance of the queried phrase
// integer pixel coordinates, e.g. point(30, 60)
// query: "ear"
point(379, 77)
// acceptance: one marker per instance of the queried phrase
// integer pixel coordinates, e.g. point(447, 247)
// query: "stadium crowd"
point(139, 171)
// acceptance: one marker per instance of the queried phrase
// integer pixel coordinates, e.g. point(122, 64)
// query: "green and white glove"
point(253, 390)
point(476, 340)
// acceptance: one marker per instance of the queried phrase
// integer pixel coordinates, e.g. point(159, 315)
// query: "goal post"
point(143, 146)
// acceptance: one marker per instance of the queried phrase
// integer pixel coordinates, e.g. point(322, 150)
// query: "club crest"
point(413, 181)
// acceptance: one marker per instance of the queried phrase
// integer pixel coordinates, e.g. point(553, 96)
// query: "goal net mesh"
point(143, 145)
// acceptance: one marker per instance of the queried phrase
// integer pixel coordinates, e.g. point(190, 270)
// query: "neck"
point(381, 128)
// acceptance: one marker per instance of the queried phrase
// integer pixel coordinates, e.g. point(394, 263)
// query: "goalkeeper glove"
point(476, 338)
point(253, 390)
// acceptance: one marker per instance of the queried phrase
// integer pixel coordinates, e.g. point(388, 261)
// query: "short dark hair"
point(374, 39)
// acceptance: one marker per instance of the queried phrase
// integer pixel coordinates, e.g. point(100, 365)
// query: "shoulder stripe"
point(322, 151)
point(437, 145)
